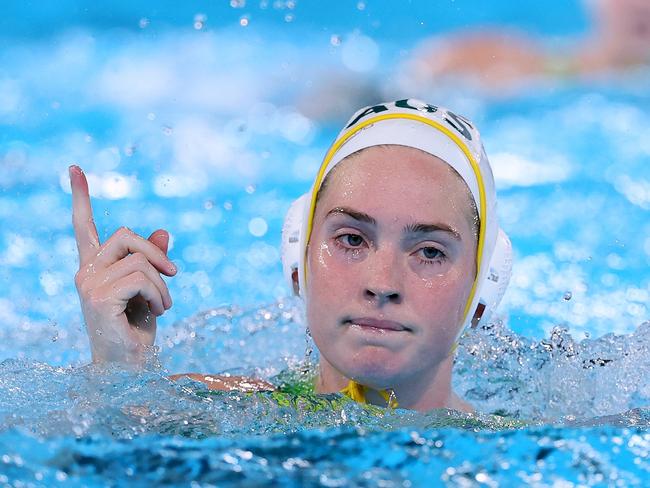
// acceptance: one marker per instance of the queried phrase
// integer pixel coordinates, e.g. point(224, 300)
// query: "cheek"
point(443, 297)
point(326, 281)
point(327, 268)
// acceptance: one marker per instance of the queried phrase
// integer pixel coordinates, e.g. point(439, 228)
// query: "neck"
point(329, 380)
point(423, 394)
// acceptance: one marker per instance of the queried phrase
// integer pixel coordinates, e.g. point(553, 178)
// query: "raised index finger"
point(85, 231)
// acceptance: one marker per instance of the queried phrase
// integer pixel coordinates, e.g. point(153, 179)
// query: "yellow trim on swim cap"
point(436, 125)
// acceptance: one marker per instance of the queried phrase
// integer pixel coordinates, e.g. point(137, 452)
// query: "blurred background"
point(209, 118)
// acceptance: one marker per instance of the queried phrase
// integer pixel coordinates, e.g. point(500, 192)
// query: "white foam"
point(17, 251)
point(52, 283)
point(637, 191)
point(512, 170)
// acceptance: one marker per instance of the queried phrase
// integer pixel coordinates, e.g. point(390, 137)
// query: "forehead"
point(384, 178)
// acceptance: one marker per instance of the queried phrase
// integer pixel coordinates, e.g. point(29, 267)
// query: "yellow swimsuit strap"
point(357, 392)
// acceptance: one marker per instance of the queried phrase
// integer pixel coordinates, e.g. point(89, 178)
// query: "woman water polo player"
point(395, 250)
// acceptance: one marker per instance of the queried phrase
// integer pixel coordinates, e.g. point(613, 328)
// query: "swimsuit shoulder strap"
point(357, 392)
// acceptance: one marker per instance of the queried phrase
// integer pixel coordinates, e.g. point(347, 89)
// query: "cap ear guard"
point(291, 241)
point(496, 280)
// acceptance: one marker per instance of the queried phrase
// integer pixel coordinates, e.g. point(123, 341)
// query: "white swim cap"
point(443, 134)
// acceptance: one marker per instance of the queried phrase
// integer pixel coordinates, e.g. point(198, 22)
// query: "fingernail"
point(172, 267)
point(74, 169)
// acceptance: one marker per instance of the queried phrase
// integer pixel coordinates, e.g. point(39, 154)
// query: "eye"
point(431, 252)
point(430, 255)
point(350, 240)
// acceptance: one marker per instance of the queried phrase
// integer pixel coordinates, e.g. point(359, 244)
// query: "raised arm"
point(119, 283)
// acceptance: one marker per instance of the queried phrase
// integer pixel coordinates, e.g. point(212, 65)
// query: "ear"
point(294, 280)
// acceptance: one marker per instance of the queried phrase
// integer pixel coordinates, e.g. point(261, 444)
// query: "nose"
point(383, 296)
point(383, 278)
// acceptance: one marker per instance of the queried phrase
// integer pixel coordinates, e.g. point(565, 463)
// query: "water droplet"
point(143, 23)
point(243, 21)
point(567, 295)
point(199, 21)
point(227, 205)
point(257, 226)
point(208, 205)
point(250, 189)
point(98, 332)
point(361, 5)
point(237, 3)
point(167, 130)
point(151, 116)
point(288, 18)
point(335, 40)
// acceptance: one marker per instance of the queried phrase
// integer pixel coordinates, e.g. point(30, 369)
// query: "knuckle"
point(139, 258)
point(78, 279)
point(83, 288)
point(124, 231)
point(139, 276)
point(81, 279)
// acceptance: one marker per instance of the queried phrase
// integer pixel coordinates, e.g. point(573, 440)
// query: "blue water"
point(208, 119)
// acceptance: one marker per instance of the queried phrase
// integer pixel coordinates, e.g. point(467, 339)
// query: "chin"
point(376, 368)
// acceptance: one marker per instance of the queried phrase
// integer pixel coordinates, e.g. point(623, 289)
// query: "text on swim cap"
point(458, 123)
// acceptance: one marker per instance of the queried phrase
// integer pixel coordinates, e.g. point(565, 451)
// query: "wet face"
point(390, 265)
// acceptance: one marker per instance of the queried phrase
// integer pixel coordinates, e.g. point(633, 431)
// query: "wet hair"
point(475, 221)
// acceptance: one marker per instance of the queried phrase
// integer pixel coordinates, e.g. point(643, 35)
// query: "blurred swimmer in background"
point(396, 251)
point(502, 62)
point(497, 62)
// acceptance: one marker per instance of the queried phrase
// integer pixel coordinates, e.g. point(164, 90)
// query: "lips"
point(378, 325)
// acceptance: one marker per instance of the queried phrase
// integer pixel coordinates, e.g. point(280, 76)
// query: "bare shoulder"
point(227, 383)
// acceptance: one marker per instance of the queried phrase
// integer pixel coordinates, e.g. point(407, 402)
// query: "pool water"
point(208, 120)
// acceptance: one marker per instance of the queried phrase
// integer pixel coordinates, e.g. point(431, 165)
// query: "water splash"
point(83, 424)
point(557, 377)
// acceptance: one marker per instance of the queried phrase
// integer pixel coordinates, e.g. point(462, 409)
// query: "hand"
point(119, 282)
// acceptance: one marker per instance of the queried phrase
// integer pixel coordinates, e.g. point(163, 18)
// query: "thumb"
point(160, 238)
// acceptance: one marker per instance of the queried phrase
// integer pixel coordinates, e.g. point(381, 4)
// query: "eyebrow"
point(430, 228)
point(360, 216)
point(412, 229)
